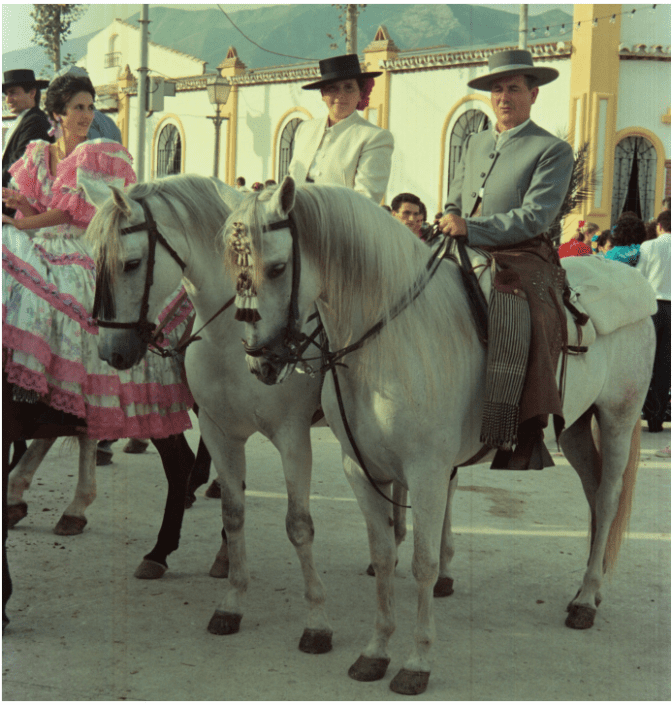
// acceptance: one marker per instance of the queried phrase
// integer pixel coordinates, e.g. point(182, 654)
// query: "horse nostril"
point(117, 361)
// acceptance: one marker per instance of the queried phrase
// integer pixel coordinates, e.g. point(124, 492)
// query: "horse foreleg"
point(21, 477)
point(228, 455)
point(297, 466)
point(200, 472)
point(429, 496)
point(177, 458)
point(73, 521)
point(444, 585)
point(373, 662)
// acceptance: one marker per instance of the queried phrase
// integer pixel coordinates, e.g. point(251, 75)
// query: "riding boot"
point(530, 452)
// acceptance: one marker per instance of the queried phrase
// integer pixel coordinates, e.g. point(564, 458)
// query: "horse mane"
point(369, 261)
point(194, 202)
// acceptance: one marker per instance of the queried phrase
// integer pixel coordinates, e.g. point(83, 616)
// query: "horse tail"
point(620, 523)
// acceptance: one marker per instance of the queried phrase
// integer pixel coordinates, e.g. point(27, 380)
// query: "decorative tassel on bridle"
point(246, 294)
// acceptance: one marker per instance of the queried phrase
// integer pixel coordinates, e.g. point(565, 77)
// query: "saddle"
point(529, 323)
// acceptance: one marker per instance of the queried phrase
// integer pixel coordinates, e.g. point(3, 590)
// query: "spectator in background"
point(666, 203)
point(407, 208)
point(257, 186)
point(654, 263)
point(386, 207)
point(603, 243)
point(22, 94)
point(651, 230)
point(627, 236)
point(270, 182)
point(579, 244)
point(240, 184)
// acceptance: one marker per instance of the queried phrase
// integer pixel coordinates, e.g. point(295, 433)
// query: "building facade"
point(613, 93)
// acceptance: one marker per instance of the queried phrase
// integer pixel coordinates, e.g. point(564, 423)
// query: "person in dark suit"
point(22, 91)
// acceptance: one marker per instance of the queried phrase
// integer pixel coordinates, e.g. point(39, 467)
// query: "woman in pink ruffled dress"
point(48, 286)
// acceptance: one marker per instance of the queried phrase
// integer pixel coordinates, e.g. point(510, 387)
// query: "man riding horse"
point(507, 191)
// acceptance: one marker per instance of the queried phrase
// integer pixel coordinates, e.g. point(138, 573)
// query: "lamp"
point(218, 93)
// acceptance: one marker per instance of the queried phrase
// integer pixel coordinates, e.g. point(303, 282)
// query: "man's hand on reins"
point(453, 225)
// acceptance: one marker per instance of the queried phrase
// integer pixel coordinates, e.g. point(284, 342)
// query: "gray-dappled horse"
point(188, 212)
point(413, 393)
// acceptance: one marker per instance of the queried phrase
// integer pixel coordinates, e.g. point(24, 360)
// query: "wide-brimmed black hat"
point(338, 68)
point(511, 63)
point(21, 77)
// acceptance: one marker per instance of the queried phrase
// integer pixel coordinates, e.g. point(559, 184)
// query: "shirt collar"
point(341, 124)
point(503, 137)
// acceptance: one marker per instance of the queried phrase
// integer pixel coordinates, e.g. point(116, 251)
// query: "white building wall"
point(647, 26)
point(638, 77)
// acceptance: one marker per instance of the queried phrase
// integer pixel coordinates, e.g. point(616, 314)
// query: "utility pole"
point(142, 93)
point(351, 13)
point(522, 28)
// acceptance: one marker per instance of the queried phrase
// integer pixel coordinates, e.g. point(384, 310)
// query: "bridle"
point(290, 341)
point(104, 302)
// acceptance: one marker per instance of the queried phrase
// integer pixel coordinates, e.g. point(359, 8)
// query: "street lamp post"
point(218, 93)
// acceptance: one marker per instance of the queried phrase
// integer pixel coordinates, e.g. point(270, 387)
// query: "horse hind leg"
point(444, 584)
point(608, 479)
point(73, 521)
point(21, 477)
point(400, 499)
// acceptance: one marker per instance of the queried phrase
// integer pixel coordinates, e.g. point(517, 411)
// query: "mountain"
point(300, 31)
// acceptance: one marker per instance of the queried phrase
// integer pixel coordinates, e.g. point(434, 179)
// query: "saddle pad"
point(484, 275)
point(613, 294)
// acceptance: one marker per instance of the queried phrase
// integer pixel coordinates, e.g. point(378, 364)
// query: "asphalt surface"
point(83, 628)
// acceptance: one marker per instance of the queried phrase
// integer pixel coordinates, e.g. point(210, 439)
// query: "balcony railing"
point(112, 59)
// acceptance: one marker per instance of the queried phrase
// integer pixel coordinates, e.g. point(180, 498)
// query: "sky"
point(17, 32)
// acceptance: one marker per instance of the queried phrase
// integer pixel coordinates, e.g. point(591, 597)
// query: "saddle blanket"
point(613, 294)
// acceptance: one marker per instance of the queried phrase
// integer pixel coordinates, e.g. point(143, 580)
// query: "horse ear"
point(231, 196)
point(121, 202)
point(285, 195)
point(95, 190)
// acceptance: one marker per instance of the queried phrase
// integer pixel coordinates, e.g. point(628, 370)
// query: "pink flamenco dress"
point(48, 284)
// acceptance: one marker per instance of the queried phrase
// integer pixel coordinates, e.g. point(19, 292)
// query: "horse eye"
point(277, 271)
point(132, 265)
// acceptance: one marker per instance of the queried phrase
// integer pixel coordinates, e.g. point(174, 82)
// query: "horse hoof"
point(220, 568)
point(315, 641)
point(367, 669)
point(15, 513)
point(443, 587)
point(70, 526)
point(580, 617)
point(103, 457)
point(214, 491)
point(410, 682)
point(224, 623)
point(150, 570)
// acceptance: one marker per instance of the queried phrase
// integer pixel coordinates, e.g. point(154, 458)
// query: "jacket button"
point(492, 156)
point(473, 195)
point(482, 174)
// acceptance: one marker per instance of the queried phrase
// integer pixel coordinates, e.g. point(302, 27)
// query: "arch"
point(282, 123)
point(174, 120)
point(111, 43)
point(473, 97)
point(661, 157)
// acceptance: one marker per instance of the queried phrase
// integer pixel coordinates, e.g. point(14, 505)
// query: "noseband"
point(103, 298)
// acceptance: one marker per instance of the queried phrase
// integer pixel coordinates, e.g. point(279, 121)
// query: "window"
point(169, 152)
point(287, 147)
point(469, 122)
point(635, 162)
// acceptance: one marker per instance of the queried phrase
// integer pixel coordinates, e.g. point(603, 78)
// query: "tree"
point(581, 188)
point(51, 26)
point(347, 27)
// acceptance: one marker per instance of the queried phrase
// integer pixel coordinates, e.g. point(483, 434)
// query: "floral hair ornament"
point(365, 94)
point(56, 129)
point(246, 295)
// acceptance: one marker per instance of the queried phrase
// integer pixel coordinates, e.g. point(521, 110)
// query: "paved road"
point(84, 629)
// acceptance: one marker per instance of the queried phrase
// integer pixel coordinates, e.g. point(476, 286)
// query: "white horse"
point(189, 212)
point(413, 394)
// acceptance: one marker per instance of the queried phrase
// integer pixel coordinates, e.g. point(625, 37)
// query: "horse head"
point(275, 286)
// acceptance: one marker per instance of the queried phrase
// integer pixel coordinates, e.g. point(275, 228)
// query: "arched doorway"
point(469, 122)
point(169, 152)
point(287, 147)
point(635, 166)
